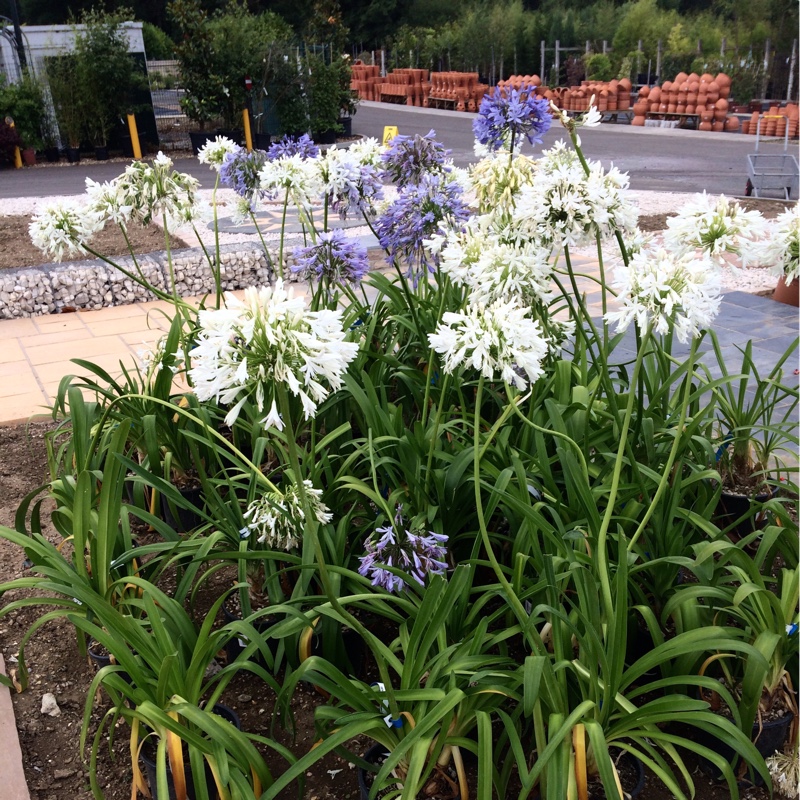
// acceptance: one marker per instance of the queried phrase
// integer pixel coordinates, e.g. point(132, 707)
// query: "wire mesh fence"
point(166, 93)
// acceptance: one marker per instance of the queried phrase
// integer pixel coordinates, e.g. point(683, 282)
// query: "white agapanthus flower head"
point(279, 519)
point(492, 268)
point(565, 206)
point(213, 152)
point(295, 174)
point(667, 291)
point(154, 359)
point(500, 340)
point(497, 183)
point(64, 226)
point(245, 351)
point(716, 226)
point(781, 245)
point(109, 202)
point(157, 192)
point(367, 152)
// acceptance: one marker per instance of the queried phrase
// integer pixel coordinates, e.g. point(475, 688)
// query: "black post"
point(18, 36)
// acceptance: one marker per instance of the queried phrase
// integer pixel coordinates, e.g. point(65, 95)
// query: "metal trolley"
point(772, 172)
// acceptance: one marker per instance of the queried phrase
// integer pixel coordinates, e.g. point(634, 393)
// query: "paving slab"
point(12, 774)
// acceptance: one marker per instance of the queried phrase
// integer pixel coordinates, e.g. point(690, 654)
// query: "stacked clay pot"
point(774, 122)
point(462, 88)
point(608, 96)
point(365, 80)
point(704, 95)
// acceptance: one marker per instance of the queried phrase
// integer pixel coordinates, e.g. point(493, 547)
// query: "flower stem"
point(218, 270)
point(602, 534)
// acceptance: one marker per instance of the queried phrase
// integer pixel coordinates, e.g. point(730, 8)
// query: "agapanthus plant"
point(288, 146)
point(781, 248)
point(64, 226)
point(349, 184)
point(429, 208)
point(493, 268)
point(240, 171)
point(334, 259)
point(565, 206)
point(158, 192)
point(666, 291)
point(409, 158)
point(500, 341)
point(497, 183)
point(213, 152)
point(267, 342)
point(715, 226)
point(278, 519)
point(293, 177)
point(417, 553)
point(504, 118)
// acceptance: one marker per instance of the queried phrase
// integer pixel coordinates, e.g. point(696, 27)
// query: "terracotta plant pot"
point(787, 293)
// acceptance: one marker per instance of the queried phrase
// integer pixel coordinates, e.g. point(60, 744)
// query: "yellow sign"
point(389, 132)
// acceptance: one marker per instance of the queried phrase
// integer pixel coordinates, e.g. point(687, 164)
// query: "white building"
point(50, 40)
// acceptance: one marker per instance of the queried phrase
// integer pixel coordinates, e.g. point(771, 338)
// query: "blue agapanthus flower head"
point(430, 207)
point(410, 157)
point(333, 259)
point(417, 553)
point(290, 146)
point(509, 115)
point(239, 171)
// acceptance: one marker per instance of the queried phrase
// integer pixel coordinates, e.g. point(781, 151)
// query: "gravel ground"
point(753, 279)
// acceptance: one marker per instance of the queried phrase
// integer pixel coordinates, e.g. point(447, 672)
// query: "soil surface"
point(53, 762)
point(17, 249)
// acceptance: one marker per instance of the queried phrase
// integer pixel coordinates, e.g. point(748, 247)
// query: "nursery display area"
point(511, 550)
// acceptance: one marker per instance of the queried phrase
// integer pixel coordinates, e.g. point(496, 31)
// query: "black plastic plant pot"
point(101, 153)
point(262, 141)
point(100, 658)
point(767, 738)
point(73, 155)
point(376, 755)
point(187, 519)
point(637, 770)
point(149, 764)
point(51, 154)
point(735, 506)
point(199, 139)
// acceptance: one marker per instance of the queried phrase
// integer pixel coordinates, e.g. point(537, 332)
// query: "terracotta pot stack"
point(460, 88)
point(608, 96)
point(365, 80)
point(774, 122)
point(704, 95)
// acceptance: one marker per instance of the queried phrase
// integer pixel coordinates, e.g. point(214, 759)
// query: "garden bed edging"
point(93, 284)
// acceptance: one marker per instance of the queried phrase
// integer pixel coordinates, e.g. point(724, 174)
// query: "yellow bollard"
point(248, 137)
point(137, 150)
point(17, 158)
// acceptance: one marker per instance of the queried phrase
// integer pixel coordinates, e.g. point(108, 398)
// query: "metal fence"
point(166, 93)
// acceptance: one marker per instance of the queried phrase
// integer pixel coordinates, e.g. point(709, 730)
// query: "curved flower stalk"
point(567, 206)
point(279, 519)
point(591, 119)
point(503, 119)
point(500, 341)
point(416, 552)
point(409, 159)
point(420, 211)
point(716, 226)
point(266, 341)
point(333, 261)
point(64, 226)
point(781, 247)
point(666, 291)
point(214, 151)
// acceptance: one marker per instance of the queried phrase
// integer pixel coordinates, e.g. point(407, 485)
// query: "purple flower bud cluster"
point(333, 259)
point(288, 146)
point(410, 157)
point(416, 553)
point(421, 210)
point(239, 171)
point(510, 114)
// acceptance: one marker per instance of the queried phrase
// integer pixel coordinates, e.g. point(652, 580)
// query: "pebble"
point(49, 705)
point(244, 698)
point(60, 774)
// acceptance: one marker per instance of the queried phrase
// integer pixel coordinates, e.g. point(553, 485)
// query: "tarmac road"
point(666, 160)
